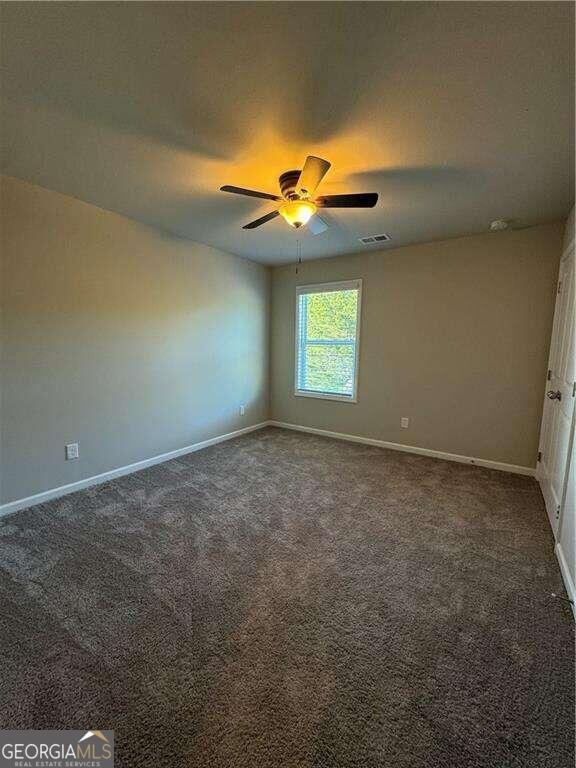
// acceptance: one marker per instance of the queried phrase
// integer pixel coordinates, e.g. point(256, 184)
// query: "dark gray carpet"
point(287, 600)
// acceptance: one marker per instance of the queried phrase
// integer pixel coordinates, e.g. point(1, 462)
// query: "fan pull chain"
point(298, 254)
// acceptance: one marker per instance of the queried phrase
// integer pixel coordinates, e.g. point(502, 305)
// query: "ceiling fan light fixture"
point(297, 212)
point(299, 206)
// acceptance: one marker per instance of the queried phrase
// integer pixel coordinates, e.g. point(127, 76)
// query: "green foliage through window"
point(327, 341)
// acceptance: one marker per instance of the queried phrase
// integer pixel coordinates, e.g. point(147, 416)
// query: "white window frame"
point(344, 285)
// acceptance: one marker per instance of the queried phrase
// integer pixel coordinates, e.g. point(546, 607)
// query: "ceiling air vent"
point(373, 239)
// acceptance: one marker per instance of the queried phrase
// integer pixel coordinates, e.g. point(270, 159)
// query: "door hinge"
point(539, 455)
point(558, 511)
point(574, 389)
point(560, 286)
point(549, 374)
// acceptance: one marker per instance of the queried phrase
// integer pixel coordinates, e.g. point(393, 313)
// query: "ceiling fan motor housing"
point(288, 182)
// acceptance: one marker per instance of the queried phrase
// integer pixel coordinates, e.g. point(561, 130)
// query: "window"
point(327, 339)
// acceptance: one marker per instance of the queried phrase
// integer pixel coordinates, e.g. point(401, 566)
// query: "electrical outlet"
point(72, 451)
point(404, 422)
point(242, 410)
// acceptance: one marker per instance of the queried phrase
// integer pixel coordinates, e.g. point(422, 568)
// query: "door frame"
point(556, 524)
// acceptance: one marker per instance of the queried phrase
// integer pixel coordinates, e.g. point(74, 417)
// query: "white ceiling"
point(456, 113)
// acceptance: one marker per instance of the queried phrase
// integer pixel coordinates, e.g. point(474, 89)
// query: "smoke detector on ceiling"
point(374, 239)
point(498, 225)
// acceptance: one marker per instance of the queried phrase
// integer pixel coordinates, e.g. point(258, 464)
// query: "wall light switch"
point(404, 422)
point(72, 451)
point(242, 410)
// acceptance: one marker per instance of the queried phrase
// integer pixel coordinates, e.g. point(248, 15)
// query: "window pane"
point(327, 342)
point(330, 368)
point(332, 315)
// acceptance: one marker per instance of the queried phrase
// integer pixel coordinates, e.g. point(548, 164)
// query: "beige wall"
point(131, 342)
point(455, 336)
point(135, 343)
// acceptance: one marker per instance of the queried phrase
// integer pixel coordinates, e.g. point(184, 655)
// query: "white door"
point(560, 394)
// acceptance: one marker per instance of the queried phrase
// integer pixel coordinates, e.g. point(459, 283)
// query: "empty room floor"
point(289, 600)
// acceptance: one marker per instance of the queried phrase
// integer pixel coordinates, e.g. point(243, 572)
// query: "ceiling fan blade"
point(316, 225)
point(362, 200)
point(249, 192)
point(262, 220)
point(312, 174)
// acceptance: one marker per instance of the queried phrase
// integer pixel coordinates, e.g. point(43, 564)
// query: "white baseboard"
point(514, 468)
point(568, 583)
point(63, 490)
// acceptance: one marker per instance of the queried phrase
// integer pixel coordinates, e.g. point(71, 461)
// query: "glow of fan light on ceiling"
point(298, 212)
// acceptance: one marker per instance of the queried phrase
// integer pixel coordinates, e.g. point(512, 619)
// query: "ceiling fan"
point(298, 208)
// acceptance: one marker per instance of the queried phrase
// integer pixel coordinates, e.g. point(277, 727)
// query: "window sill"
point(326, 396)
